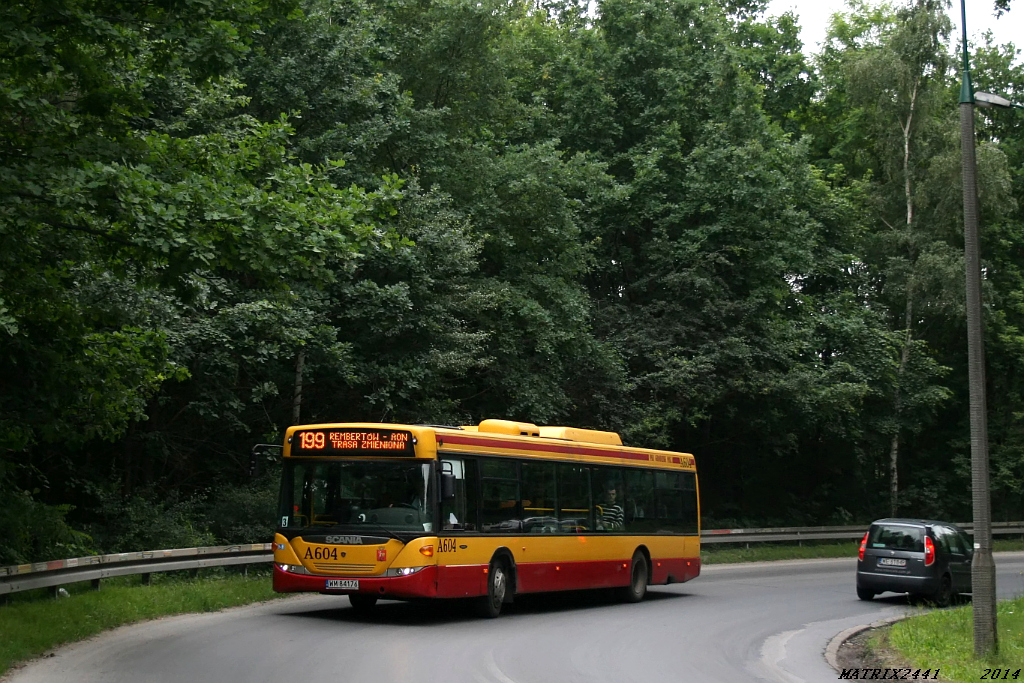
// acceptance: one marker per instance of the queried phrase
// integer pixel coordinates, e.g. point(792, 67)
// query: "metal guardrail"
point(822, 533)
point(56, 573)
point(60, 572)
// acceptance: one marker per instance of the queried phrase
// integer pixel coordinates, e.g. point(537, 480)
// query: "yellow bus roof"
point(521, 439)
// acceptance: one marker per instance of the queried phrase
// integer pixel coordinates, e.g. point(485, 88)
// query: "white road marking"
point(494, 674)
point(772, 653)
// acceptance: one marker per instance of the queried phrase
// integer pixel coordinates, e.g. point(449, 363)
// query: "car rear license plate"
point(892, 562)
point(343, 584)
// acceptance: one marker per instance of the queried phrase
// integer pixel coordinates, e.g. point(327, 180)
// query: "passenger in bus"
point(609, 513)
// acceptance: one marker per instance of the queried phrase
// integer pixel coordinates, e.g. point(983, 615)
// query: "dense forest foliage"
point(659, 217)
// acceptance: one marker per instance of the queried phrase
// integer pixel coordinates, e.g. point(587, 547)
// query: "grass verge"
point(767, 552)
point(31, 624)
point(943, 640)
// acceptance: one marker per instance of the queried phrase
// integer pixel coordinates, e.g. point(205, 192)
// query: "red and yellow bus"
point(489, 511)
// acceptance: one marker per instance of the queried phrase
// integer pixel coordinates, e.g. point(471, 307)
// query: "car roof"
point(913, 521)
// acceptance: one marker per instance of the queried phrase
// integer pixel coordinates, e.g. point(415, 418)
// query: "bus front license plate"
point(343, 584)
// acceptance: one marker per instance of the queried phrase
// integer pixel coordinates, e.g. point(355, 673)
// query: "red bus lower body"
point(466, 581)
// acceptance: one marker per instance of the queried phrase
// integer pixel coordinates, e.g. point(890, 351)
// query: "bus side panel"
point(674, 570)
point(461, 581)
point(542, 577)
point(556, 563)
point(674, 558)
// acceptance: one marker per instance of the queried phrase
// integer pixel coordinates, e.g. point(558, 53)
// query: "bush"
point(35, 531)
point(142, 522)
point(243, 514)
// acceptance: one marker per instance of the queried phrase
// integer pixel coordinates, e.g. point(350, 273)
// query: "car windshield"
point(897, 537)
point(392, 495)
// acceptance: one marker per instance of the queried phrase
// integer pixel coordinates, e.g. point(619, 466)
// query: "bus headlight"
point(292, 568)
point(403, 571)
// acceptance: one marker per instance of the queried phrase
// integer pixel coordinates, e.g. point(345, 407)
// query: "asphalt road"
point(748, 622)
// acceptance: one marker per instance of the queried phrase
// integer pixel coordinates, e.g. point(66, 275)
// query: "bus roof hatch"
point(509, 427)
point(588, 435)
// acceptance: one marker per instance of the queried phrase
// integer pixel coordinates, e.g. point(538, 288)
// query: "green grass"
point(944, 640)
point(31, 623)
point(766, 552)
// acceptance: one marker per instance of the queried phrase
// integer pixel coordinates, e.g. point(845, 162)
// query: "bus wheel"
point(361, 602)
point(497, 588)
point(638, 573)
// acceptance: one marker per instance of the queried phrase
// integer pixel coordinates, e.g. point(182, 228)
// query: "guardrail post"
point(95, 584)
point(147, 579)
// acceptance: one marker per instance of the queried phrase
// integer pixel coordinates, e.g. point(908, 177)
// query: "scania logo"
point(344, 540)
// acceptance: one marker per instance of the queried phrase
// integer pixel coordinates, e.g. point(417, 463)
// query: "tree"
point(718, 255)
point(890, 69)
point(135, 195)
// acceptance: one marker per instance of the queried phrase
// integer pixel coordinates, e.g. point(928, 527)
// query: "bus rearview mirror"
point(447, 486)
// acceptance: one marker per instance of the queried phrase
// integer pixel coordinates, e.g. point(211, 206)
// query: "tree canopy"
point(658, 217)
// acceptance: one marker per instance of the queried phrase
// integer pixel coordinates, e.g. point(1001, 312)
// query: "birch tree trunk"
point(908, 318)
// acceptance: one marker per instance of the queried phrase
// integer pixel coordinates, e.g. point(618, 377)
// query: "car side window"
point(967, 542)
point(941, 539)
point(955, 546)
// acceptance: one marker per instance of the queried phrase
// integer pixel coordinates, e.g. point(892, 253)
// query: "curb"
point(832, 651)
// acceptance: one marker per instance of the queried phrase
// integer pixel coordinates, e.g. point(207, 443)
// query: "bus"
point(504, 508)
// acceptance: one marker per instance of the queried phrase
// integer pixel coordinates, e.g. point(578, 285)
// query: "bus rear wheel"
point(362, 603)
point(497, 590)
point(638, 575)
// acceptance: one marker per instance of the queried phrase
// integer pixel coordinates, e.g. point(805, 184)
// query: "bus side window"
point(538, 490)
point(460, 513)
point(575, 509)
point(691, 522)
point(670, 502)
point(608, 492)
point(641, 515)
point(499, 497)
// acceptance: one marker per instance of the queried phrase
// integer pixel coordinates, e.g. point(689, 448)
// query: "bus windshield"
point(395, 496)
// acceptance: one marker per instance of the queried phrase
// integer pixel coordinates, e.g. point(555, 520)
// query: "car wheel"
point(638, 573)
point(361, 602)
point(865, 594)
point(497, 589)
point(944, 595)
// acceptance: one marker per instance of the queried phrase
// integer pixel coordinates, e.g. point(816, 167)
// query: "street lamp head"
point(987, 99)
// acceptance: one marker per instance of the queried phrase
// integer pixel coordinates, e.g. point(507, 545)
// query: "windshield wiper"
point(384, 529)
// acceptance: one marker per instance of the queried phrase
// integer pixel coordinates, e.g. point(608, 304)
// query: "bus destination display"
point(353, 441)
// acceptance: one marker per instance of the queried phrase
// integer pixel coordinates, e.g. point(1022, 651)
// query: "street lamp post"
point(983, 574)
